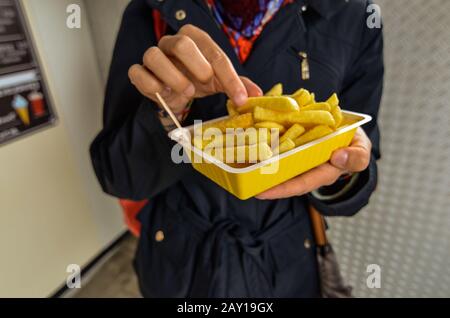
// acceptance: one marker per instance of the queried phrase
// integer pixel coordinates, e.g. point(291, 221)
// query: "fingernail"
point(340, 159)
point(240, 98)
point(190, 91)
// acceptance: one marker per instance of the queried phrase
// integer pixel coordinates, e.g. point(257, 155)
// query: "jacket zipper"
point(305, 65)
point(306, 58)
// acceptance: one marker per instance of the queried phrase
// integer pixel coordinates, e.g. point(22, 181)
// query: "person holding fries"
point(197, 240)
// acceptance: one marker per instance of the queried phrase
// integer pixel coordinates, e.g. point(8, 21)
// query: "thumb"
point(253, 90)
point(351, 159)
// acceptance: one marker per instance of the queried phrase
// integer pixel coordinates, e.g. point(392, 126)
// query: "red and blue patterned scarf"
point(243, 21)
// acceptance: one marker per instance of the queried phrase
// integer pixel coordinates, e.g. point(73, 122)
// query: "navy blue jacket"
point(215, 244)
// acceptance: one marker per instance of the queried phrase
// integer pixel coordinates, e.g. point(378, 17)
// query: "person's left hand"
point(354, 158)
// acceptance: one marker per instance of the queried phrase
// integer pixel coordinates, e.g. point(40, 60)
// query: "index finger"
point(221, 64)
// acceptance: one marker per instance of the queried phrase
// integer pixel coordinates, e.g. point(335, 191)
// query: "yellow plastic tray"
point(247, 182)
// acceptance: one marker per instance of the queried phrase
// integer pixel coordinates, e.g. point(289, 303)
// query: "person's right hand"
point(188, 65)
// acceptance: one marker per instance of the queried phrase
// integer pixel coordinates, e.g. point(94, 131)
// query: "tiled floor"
point(116, 277)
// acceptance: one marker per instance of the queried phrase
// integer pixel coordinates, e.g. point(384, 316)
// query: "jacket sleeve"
point(131, 155)
point(362, 91)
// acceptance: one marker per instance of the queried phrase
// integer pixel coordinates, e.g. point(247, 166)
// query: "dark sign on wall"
point(24, 102)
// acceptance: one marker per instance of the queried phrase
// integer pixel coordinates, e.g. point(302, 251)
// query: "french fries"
point(261, 115)
point(277, 90)
point(313, 99)
point(295, 131)
point(298, 119)
point(333, 101)
point(285, 146)
point(313, 134)
point(239, 121)
point(241, 154)
point(238, 138)
point(336, 112)
point(231, 109)
point(310, 117)
point(277, 103)
point(271, 125)
point(317, 106)
point(303, 97)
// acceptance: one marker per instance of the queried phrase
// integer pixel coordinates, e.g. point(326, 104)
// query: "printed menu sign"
point(24, 102)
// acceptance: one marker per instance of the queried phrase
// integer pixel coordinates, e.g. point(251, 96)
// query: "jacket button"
point(304, 8)
point(307, 244)
point(180, 15)
point(159, 236)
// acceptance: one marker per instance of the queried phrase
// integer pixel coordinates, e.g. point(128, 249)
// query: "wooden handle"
point(318, 224)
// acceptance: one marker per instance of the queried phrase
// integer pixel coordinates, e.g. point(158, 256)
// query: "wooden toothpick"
point(169, 111)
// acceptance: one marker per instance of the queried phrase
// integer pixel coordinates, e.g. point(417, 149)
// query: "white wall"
point(75, 75)
point(52, 210)
point(104, 18)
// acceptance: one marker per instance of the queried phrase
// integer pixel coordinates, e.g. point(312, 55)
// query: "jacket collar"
point(327, 8)
point(198, 14)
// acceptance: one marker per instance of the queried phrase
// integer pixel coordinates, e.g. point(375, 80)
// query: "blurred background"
point(53, 212)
